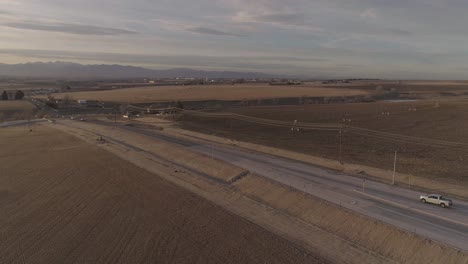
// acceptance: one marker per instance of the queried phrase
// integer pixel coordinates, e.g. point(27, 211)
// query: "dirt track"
point(66, 201)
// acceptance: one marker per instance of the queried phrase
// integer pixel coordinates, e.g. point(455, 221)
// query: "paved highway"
point(393, 205)
point(21, 122)
point(397, 206)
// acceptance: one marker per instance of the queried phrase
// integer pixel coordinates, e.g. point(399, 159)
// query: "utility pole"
point(394, 168)
point(346, 119)
point(341, 142)
point(211, 145)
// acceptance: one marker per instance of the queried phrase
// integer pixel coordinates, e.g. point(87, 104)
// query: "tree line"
point(18, 95)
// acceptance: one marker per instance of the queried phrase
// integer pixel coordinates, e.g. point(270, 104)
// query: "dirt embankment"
point(66, 201)
point(187, 159)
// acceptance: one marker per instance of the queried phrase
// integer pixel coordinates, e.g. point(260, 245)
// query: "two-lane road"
point(21, 122)
point(397, 206)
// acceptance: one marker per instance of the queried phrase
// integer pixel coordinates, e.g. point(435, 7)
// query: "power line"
point(326, 127)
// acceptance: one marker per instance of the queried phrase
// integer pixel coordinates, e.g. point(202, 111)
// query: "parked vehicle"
point(436, 199)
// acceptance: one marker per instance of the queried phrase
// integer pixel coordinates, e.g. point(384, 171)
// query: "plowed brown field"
point(66, 201)
point(15, 110)
point(209, 92)
point(432, 120)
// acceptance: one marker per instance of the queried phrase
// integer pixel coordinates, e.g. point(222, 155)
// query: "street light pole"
point(394, 168)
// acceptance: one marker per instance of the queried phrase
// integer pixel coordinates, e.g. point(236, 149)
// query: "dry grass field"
point(442, 90)
point(437, 83)
point(15, 110)
point(27, 84)
point(15, 106)
point(210, 92)
point(442, 121)
point(66, 201)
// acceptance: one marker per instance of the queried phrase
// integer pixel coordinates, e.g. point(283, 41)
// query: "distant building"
point(90, 103)
point(286, 82)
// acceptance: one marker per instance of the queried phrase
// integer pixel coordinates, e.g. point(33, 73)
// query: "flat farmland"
point(16, 109)
point(15, 106)
point(210, 92)
point(418, 89)
point(66, 201)
point(446, 120)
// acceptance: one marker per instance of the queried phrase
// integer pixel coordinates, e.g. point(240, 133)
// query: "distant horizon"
point(333, 38)
point(68, 69)
point(203, 70)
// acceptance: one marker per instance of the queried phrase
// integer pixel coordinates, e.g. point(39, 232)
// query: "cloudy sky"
point(403, 39)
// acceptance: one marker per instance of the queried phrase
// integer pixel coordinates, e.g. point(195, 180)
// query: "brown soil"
point(210, 92)
point(15, 110)
point(66, 201)
point(311, 223)
point(442, 121)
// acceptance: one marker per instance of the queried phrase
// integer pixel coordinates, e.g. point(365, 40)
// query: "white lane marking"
point(413, 209)
point(460, 210)
point(421, 220)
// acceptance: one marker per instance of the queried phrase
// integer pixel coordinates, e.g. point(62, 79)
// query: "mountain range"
point(60, 69)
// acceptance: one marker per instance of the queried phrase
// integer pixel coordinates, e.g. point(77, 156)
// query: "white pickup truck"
point(436, 199)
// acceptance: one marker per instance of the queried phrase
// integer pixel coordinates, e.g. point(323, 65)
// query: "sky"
point(392, 39)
